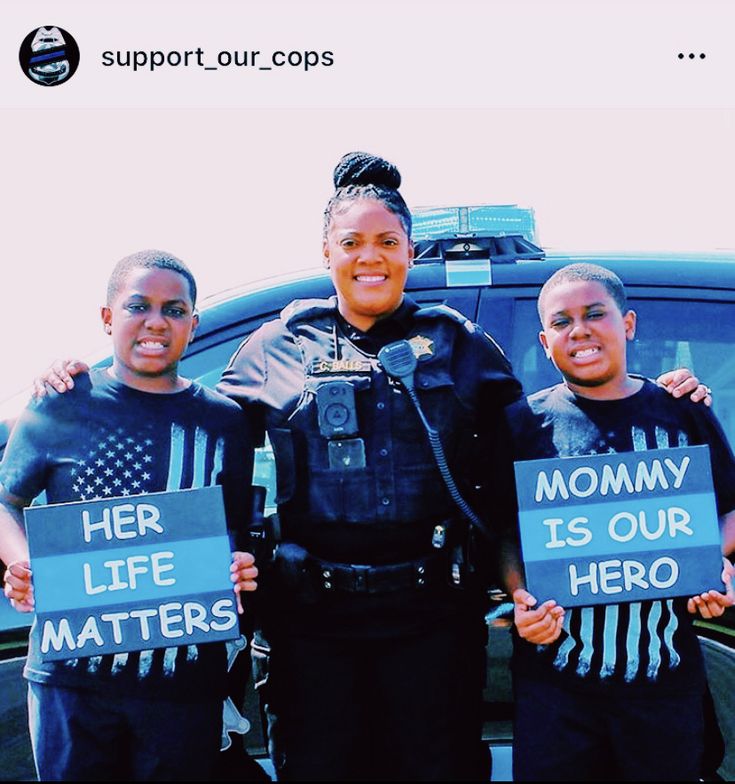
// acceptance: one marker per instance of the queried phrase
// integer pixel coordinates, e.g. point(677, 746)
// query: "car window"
point(669, 334)
point(206, 366)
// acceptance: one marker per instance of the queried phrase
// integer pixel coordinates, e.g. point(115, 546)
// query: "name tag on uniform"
point(330, 366)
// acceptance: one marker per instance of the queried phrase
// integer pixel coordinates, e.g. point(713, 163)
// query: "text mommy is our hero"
point(606, 528)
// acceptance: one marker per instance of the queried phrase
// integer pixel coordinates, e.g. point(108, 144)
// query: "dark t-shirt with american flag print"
point(639, 645)
point(104, 439)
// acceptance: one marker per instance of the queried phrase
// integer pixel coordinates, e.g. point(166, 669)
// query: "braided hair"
point(359, 175)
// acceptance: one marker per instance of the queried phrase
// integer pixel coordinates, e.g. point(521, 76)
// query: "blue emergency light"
point(468, 240)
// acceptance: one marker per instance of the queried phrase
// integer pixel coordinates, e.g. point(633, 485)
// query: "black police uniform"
point(374, 659)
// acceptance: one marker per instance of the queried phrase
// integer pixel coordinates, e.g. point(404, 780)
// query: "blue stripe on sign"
point(656, 517)
point(699, 569)
point(41, 58)
point(622, 476)
point(54, 595)
point(185, 514)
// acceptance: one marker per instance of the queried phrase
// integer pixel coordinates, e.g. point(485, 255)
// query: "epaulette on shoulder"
point(307, 310)
point(444, 311)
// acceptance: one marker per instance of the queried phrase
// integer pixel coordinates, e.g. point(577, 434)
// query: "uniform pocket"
point(343, 496)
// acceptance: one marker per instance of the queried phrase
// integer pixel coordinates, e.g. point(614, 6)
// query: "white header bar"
point(387, 54)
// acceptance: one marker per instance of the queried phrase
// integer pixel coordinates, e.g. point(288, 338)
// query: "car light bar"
point(431, 223)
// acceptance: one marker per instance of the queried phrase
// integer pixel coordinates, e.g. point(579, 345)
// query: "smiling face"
point(151, 320)
point(368, 254)
point(585, 336)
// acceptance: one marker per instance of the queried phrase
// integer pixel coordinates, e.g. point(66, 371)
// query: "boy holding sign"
point(613, 690)
point(136, 427)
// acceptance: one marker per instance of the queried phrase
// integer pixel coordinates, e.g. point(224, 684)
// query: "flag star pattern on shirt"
point(113, 465)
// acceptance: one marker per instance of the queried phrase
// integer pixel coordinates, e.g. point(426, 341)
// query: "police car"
point(484, 262)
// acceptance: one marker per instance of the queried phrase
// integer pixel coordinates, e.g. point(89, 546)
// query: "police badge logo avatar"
point(49, 56)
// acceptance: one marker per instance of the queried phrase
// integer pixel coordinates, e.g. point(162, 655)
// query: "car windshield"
point(669, 334)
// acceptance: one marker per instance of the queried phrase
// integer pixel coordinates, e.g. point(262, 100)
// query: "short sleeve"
point(262, 374)
point(484, 378)
point(499, 383)
point(244, 377)
point(25, 465)
point(710, 432)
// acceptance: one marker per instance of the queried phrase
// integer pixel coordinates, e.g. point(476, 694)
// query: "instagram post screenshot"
point(368, 390)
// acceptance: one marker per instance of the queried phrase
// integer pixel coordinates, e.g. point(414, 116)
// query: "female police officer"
point(372, 644)
point(370, 654)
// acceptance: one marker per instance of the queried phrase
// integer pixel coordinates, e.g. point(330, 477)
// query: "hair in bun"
point(359, 175)
point(361, 168)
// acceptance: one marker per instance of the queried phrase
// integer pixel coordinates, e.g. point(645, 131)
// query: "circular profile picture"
point(49, 56)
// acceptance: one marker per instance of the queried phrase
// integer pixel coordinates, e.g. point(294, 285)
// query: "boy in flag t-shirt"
point(135, 427)
point(610, 691)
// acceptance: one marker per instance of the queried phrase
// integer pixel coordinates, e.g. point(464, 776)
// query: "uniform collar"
point(393, 327)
